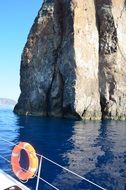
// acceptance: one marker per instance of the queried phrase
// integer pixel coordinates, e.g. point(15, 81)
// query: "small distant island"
point(7, 102)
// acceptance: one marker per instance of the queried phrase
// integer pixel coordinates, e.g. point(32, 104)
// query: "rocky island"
point(74, 61)
point(7, 102)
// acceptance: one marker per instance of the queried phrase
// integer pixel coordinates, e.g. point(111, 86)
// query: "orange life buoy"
point(15, 161)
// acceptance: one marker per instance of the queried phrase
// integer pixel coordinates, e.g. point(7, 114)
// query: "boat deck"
point(9, 183)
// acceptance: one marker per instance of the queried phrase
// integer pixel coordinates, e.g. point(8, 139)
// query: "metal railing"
point(37, 175)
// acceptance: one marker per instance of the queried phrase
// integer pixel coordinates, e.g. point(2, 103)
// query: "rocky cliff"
point(74, 61)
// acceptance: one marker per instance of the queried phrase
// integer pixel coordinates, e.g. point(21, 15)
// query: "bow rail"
point(53, 162)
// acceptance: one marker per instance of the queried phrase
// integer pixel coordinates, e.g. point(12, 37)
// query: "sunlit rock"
point(74, 61)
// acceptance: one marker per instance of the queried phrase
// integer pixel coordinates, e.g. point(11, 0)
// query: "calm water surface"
point(95, 150)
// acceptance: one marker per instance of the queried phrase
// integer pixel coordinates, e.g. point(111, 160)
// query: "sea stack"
point(74, 61)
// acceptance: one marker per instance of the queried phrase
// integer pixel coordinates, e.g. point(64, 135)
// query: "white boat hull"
point(7, 182)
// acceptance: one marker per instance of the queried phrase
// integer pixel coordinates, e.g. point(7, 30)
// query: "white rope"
point(5, 159)
point(49, 183)
point(7, 141)
point(75, 173)
point(83, 178)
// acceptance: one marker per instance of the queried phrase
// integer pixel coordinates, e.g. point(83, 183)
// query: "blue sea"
point(93, 149)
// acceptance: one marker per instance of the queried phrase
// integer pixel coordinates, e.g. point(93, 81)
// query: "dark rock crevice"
point(54, 95)
point(66, 59)
point(61, 82)
point(107, 55)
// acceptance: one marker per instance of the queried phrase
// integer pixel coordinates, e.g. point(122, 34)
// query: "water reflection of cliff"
point(49, 137)
point(111, 166)
point(94, 150)
point(98, 154)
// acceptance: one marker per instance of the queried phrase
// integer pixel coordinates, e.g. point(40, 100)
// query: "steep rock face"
point(111, 16)
point(87, 103)
point(73, 63)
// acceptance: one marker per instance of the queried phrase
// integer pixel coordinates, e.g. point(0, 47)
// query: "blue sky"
point(16, 19)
